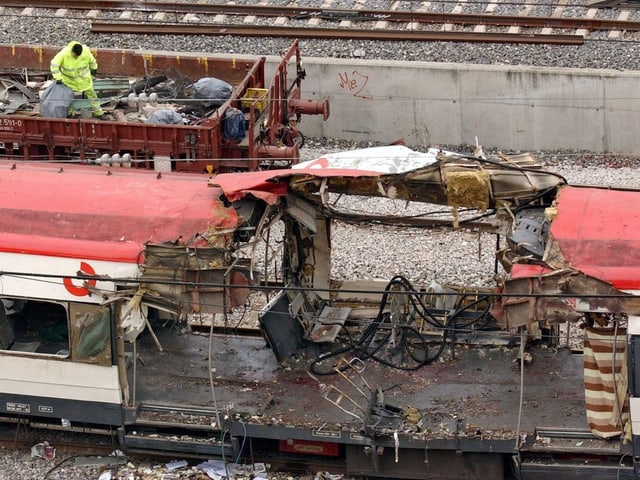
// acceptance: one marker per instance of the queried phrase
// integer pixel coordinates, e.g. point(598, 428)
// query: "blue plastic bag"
point(233, 127)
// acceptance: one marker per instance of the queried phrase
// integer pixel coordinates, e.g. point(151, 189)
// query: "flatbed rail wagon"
point(158, 115)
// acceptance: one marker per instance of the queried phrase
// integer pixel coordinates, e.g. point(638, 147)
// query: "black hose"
point(370, 344)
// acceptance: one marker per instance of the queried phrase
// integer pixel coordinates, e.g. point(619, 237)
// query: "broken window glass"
point(33, 326)
point(90, 334)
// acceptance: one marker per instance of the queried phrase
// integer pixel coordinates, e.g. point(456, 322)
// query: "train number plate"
point(18, 407)
point(11, 124)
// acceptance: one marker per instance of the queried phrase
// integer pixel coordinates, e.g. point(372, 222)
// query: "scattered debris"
point(43, 450)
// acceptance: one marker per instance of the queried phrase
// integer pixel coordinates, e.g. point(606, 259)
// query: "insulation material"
point(133, 317)
point(468, 189)
point(605, 381)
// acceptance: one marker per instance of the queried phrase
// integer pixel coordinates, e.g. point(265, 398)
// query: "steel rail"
point(613, 4)
point(405, 16)
point(329, 33)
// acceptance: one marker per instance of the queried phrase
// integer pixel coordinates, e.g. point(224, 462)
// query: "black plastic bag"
point(213, 91)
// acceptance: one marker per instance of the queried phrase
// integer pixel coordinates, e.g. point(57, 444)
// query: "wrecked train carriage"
point(390, 410)
point(563, 263)
point(481, 194)
point(255, 125)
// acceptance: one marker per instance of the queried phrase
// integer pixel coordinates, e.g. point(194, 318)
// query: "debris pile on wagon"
point(152, 100)
point(127, 99)
point(180, 111)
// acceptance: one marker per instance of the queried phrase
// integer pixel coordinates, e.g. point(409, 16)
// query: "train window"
point(34, 326)
point(90, 333)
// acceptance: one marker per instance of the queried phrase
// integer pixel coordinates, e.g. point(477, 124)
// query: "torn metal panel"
point(328, 324)
point(587, 243)
point(8, 83)
point(199, 279)
point(535, 294)
point(267, 186)
point(530, 234)
point(597, 231)
point(306, 256)
point(184, 257)
point(302, 211)
point(487, 183)
point(281, 329)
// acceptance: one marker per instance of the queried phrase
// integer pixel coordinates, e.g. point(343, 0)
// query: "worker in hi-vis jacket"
point(75, 66)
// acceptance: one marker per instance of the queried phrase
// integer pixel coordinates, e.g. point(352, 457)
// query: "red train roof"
point(98, 213)
point(598, 231)
point(269, 185)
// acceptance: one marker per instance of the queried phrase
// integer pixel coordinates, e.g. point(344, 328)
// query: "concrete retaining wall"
point(507, 107)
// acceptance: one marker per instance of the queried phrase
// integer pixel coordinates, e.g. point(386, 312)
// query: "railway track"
point(466, 21)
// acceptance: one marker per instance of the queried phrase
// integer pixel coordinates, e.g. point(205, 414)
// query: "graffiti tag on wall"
point(354, 83)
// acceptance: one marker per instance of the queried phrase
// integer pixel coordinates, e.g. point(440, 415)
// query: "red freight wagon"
point(134, 85)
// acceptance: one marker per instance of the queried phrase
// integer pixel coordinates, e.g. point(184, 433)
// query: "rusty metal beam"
point(331, 33)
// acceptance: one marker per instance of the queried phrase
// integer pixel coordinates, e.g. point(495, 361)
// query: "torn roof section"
point(397, 172)
point(593, 252)
point(271, 184)
point(362, 163)
point(387, 159)
point(597, 231)
point(594, 231)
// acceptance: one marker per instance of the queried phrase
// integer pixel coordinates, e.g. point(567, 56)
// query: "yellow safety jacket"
point(75, 73)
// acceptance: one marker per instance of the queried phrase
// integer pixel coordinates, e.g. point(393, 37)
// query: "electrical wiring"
point(402, 345)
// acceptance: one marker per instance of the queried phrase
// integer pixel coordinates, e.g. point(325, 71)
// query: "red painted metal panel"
point(232, 69)
point(309, 447)
point(524, 270)
point(598, 231)
point(272, 183)
point(100, 213)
